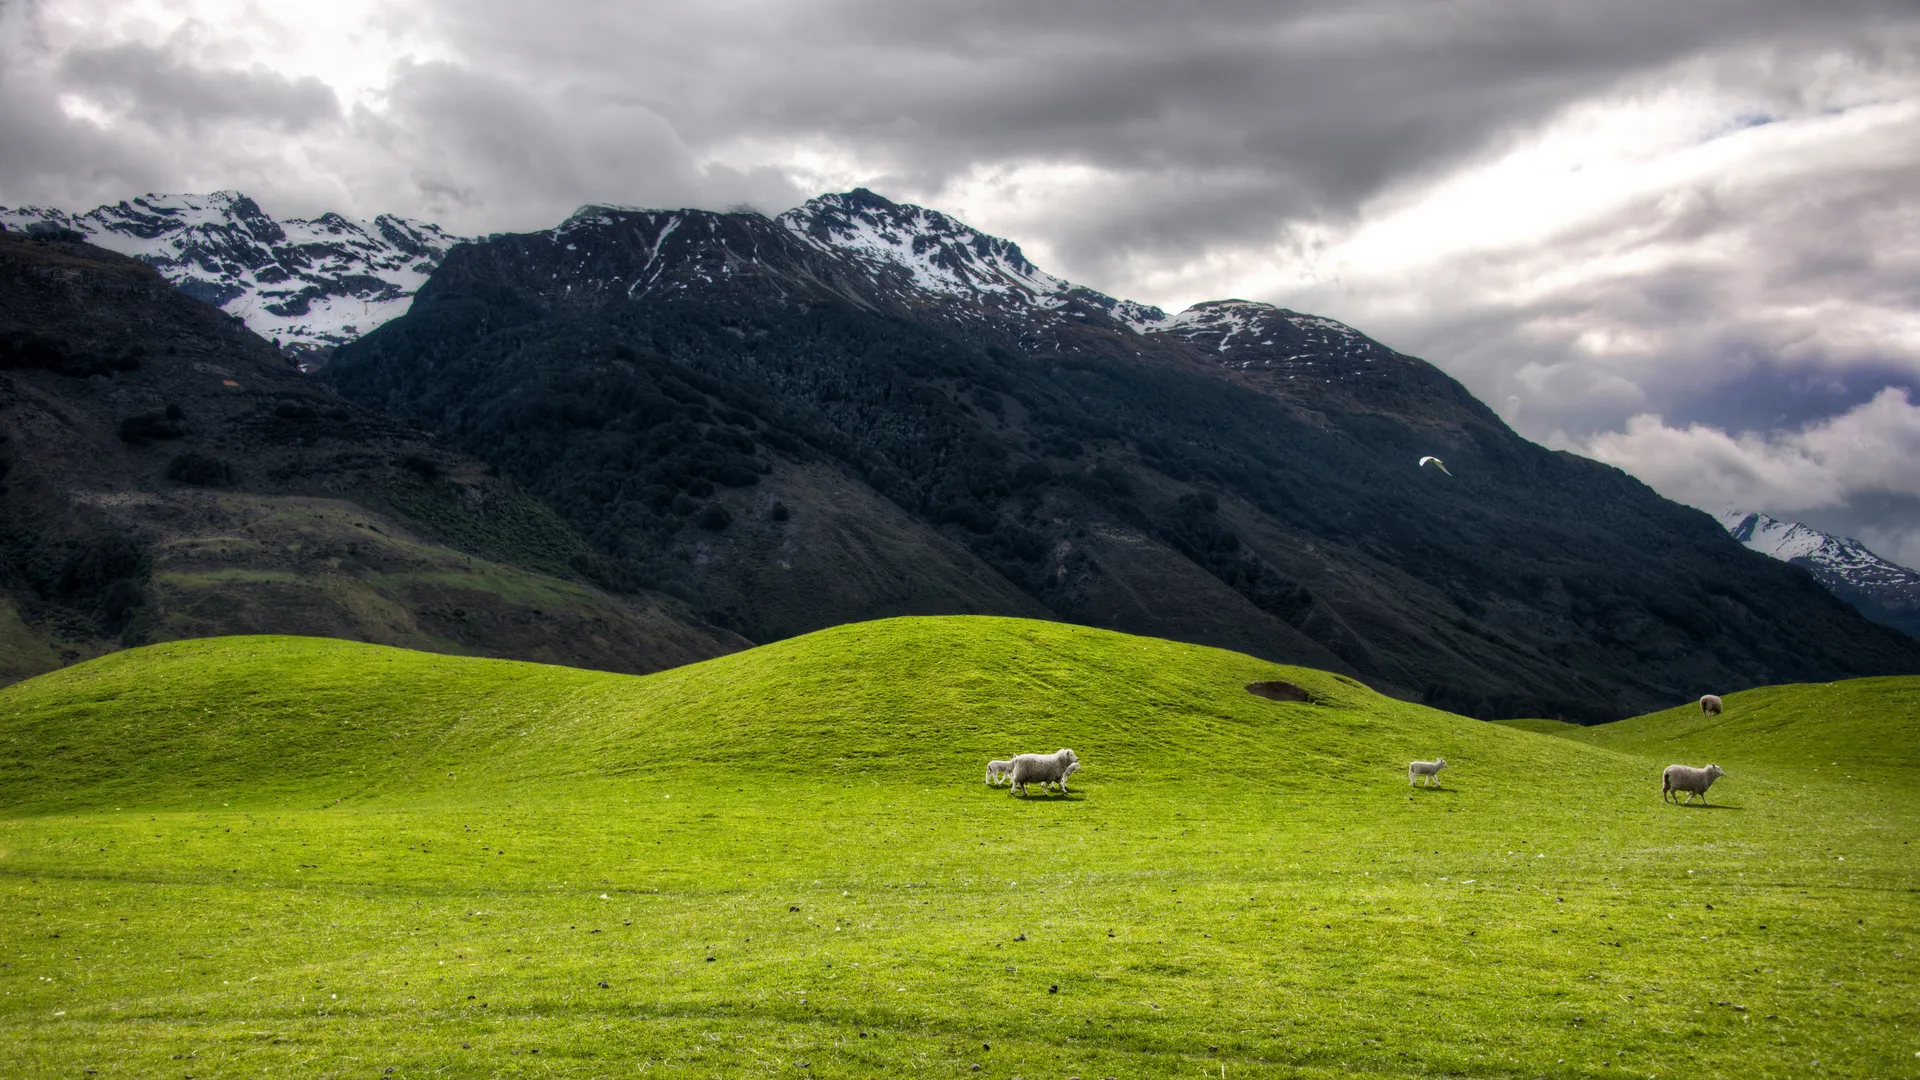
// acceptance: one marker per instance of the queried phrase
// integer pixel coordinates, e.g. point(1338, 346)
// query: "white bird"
point(1436, 461)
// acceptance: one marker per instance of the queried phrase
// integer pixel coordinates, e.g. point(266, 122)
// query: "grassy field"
point(288, 857)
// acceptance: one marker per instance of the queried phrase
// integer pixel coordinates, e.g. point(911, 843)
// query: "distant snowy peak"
point(1885, 592)
point(313, 283)
point(1790, 540)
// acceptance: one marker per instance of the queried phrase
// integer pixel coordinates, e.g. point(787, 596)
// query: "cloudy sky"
point(1683, 237)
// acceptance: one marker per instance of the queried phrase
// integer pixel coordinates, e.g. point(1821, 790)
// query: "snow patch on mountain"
point(309, 283)
point(941, 255)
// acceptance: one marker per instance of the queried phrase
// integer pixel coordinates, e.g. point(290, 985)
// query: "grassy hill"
point(302, 857)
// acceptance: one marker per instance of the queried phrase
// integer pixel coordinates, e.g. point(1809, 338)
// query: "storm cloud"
point(1652, 231)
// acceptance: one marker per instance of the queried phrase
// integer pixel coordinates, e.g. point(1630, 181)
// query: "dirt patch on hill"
point(1279, 691)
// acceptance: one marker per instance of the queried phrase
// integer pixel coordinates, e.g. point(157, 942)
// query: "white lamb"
point(1710, 705)
point(1043, 769)
point(998, 771)
point(1428, 769)
point(1678, 778)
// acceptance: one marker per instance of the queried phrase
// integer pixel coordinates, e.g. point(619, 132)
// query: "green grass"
point(290, 857)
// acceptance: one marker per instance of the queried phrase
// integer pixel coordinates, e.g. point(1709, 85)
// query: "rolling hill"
point(292, 857)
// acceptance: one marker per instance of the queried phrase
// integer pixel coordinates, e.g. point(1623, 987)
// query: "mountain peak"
point(1884, 591)
point(937, 253)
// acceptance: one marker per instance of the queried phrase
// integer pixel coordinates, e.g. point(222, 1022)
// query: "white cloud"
point(1868, 452)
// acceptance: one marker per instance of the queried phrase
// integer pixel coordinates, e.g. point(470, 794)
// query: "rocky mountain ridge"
point(307, 284)
point(1884, 591)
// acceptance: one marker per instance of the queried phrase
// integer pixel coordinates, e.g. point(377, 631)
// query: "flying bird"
point(1436, 461)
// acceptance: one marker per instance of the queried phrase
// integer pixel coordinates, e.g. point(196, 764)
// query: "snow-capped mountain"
point(1885, 592)
point(328, 281)
point(859, 249)
point(308, 284)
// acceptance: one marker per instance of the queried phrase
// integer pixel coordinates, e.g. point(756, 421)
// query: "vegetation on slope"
point(166, 473)
point(289, 857)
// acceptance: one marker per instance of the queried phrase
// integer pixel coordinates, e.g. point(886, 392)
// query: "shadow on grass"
point(1435, 790)
point(1710, 806)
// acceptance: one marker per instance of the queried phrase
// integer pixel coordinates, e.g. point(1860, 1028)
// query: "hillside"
point(337, 858)
point(1864, 726)
point(165, 473)
point(733, 407)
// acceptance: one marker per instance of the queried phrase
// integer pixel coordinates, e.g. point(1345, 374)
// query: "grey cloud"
point(50, 157)
point(155, 87)
point(490, 154)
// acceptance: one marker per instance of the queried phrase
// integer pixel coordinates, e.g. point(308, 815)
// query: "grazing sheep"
point(1428, 769)
point(1710, 705)
point(1042, 769)
point(1678, 778)
point(998, 771)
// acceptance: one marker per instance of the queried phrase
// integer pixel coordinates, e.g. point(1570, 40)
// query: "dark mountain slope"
point(1234, 475)
point(165, 473)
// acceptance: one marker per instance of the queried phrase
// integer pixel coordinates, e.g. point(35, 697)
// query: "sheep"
point(1678, 778)
point(1042, 769)
point(998, 771)
point(1710, 705)
point(1428, 769)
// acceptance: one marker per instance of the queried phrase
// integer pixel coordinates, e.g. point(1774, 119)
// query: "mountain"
point(1885, 592)
point(165, 473)
point(309, 285)
point(860, 408)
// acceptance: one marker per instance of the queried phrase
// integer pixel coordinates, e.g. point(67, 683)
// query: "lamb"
point(1043, 769)
point(1710, 705)
point(998, 771)
point(1678, 778)
point(1072, 767)
point(1428, 769)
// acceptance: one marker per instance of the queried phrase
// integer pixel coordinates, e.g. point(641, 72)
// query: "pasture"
point(293, 857)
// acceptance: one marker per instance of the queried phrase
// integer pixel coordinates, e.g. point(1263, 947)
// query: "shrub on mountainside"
point(20, 349)
point(202, 469)
point(144, 427)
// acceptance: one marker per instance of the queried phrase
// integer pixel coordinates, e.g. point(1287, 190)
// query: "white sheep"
point(1678, 778)
point(1428, 769)
point(1043, 769)
point(1710, 705)
point(998, 771)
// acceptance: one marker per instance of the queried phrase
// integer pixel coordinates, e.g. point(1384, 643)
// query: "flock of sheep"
point(1043, 769)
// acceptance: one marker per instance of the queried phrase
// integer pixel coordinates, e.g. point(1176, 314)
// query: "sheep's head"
point(1066, 755)
point(1715, 772)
